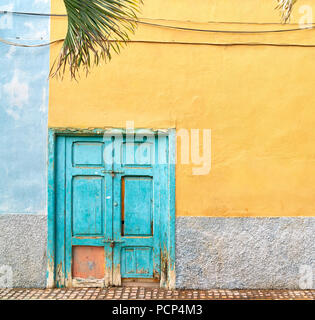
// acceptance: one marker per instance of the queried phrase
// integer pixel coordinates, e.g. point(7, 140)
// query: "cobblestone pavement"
point(143, 293)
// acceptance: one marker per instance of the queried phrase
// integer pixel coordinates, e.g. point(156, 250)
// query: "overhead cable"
point(177, 42)
point(305, 27)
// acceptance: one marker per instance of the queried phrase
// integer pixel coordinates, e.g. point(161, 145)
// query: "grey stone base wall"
point(235, 253)
point(230, 253)
point(23, 239)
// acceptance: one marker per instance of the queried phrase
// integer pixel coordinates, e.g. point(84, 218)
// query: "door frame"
point(55, 276)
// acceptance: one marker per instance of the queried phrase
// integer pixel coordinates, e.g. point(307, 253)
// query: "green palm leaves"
point(285, 7)
point(95, 28)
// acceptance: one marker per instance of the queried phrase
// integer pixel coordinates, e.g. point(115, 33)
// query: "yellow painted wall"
point(259, 102)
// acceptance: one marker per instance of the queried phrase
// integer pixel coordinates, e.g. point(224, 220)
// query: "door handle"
point(112, 242)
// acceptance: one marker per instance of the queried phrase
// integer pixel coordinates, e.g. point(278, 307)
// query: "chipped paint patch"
point(87, 283)
point(50, 279)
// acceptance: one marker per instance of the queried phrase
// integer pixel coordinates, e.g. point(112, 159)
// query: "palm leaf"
point(95, 28)
point(285, 7)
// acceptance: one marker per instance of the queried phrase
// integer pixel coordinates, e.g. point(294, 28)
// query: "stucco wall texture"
point(264, 253)
point(23, 243)
point(23, 108)
point(258, 102)
point(23, 142)
point(238, 253)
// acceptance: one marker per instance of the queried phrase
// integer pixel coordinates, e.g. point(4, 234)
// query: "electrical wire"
point(231, 44)
point(33, 13)
point(226, 22)
point(159, 19)
point(178, 43)
point(307, 26)
point(172, 27)
point(29, 45)
point(221, 31)
point(223, 44)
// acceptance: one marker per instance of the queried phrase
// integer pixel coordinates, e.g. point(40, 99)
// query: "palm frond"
point(285, 7)
point(95, 28)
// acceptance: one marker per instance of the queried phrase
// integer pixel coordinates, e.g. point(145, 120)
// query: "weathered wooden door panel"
point(88, 262)
point(85, 209)
point(137, 206)
point(110, 203)
point(87, 154)
point(87, 206)
point(136, 262)
point(138, 184)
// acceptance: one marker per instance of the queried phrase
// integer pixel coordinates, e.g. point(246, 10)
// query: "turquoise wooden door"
point(114, 201)
point(85, 207)
point(139, 180)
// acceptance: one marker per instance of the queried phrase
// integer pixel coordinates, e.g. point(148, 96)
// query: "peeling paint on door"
point(111, 217)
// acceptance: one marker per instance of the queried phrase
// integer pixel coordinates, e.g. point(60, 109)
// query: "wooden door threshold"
point(87, 283)
point(134, 282)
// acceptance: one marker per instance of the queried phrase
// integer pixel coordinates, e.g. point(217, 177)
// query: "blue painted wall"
point(23, 108)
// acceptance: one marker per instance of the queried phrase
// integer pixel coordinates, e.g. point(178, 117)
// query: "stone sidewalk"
point(144, 293)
